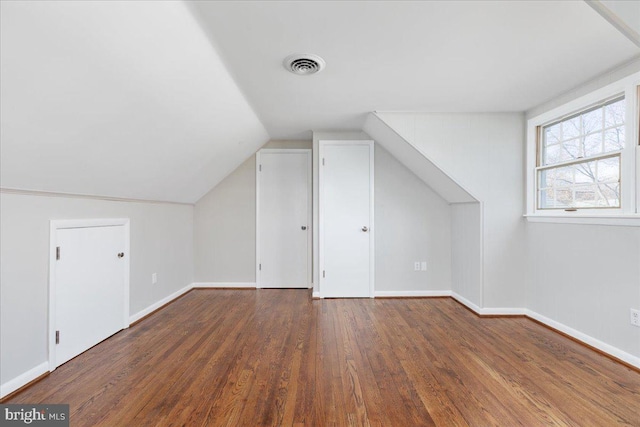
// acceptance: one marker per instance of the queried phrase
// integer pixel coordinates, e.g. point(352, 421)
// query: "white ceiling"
point(122, 99)
point(445, 56)
point(161, 100)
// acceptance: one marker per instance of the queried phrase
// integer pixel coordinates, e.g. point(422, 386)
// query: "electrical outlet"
point(635, 317)
point(154, 278)
point(416, 266)
point(423, 266)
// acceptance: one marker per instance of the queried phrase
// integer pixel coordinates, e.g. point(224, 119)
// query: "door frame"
point(308, 153)
point(54, 226)
point(321, 148)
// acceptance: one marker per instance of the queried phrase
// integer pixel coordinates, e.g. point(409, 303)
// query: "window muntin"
point(579, 165)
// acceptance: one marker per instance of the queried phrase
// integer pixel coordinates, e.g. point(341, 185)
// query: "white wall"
point(413, 223)
point(225, 225)
point(161, 242)
point(585, 88)
point(225, 229)
point(484, 153)
point(587, 277)
point(466, 252)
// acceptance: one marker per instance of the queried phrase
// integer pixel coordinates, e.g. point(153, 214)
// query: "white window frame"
point(628, 213)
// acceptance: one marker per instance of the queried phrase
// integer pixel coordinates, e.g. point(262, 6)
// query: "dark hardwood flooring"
point(276, 357)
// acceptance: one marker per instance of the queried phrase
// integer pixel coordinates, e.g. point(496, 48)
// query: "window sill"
point(624, 220)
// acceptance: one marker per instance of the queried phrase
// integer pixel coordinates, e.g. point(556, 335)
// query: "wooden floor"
point(276, 357)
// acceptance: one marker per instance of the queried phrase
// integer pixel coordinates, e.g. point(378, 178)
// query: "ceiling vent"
point(304, 64)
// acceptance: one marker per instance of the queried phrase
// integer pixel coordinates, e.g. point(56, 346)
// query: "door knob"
point(304, 227)
point(121, 254)
point(365, 229)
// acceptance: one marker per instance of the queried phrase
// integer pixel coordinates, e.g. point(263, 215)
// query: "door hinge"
point(57, 253)
point(57, 337)
point(323, 276)
point(323, 161)
point(260, 267)
point(260, 168)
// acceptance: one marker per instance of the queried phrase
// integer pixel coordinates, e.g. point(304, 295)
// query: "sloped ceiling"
point(430, 56)
point(121, 99)
point(416, 161)
point(160, 100)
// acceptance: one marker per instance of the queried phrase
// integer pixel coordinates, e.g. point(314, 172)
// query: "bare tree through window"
point(579, 165)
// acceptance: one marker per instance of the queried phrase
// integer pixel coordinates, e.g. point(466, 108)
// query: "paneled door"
point(346, 219)
point(283, 250)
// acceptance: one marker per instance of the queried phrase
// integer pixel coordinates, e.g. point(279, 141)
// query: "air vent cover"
point(304, 64)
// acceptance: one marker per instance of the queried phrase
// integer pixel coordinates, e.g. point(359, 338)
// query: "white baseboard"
point(23, 379)
point(139, 315)
point(224, 285)
point(580, 336)
point(316, 294)
point(502, 311)
point(462, 300)
point(409, 294)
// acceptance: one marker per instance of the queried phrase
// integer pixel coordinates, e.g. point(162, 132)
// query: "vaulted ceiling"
point(161, 100)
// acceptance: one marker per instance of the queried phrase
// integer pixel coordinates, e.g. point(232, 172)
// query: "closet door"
point(346, 219)
point(283, 219)
point(89, 293)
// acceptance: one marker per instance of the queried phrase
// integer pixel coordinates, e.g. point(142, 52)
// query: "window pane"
point(609, 170)
point(592, 121)
point(564, 198)
point(614, 139)
point(571, 128)
point(593, 144)
point(589, 134)
point(564, 176)
point(552, 134)
point(586, 196)
point(547, 178)
point(570, 150)
point(614, 114)
point(610, 194)
point(588, 184)
point(546, 198)
point(552, 154)
point(585, 173)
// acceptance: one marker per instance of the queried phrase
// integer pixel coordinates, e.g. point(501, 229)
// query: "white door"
point(283, 252)
point(89, 300)
point(346, 219)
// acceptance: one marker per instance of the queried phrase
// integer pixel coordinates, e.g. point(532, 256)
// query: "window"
point(583, 158)
point(579, 159)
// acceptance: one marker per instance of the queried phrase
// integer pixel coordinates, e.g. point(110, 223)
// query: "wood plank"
point(279, 357)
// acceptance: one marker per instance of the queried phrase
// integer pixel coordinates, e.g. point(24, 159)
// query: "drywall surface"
point(587, 277)
point(416, 161)
point(225, 229)
point(225, 225)
point(129, 95)
point(466, 251)
point(484, 153)
point(585, 88)
point(161, 242)
point(412, 223)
